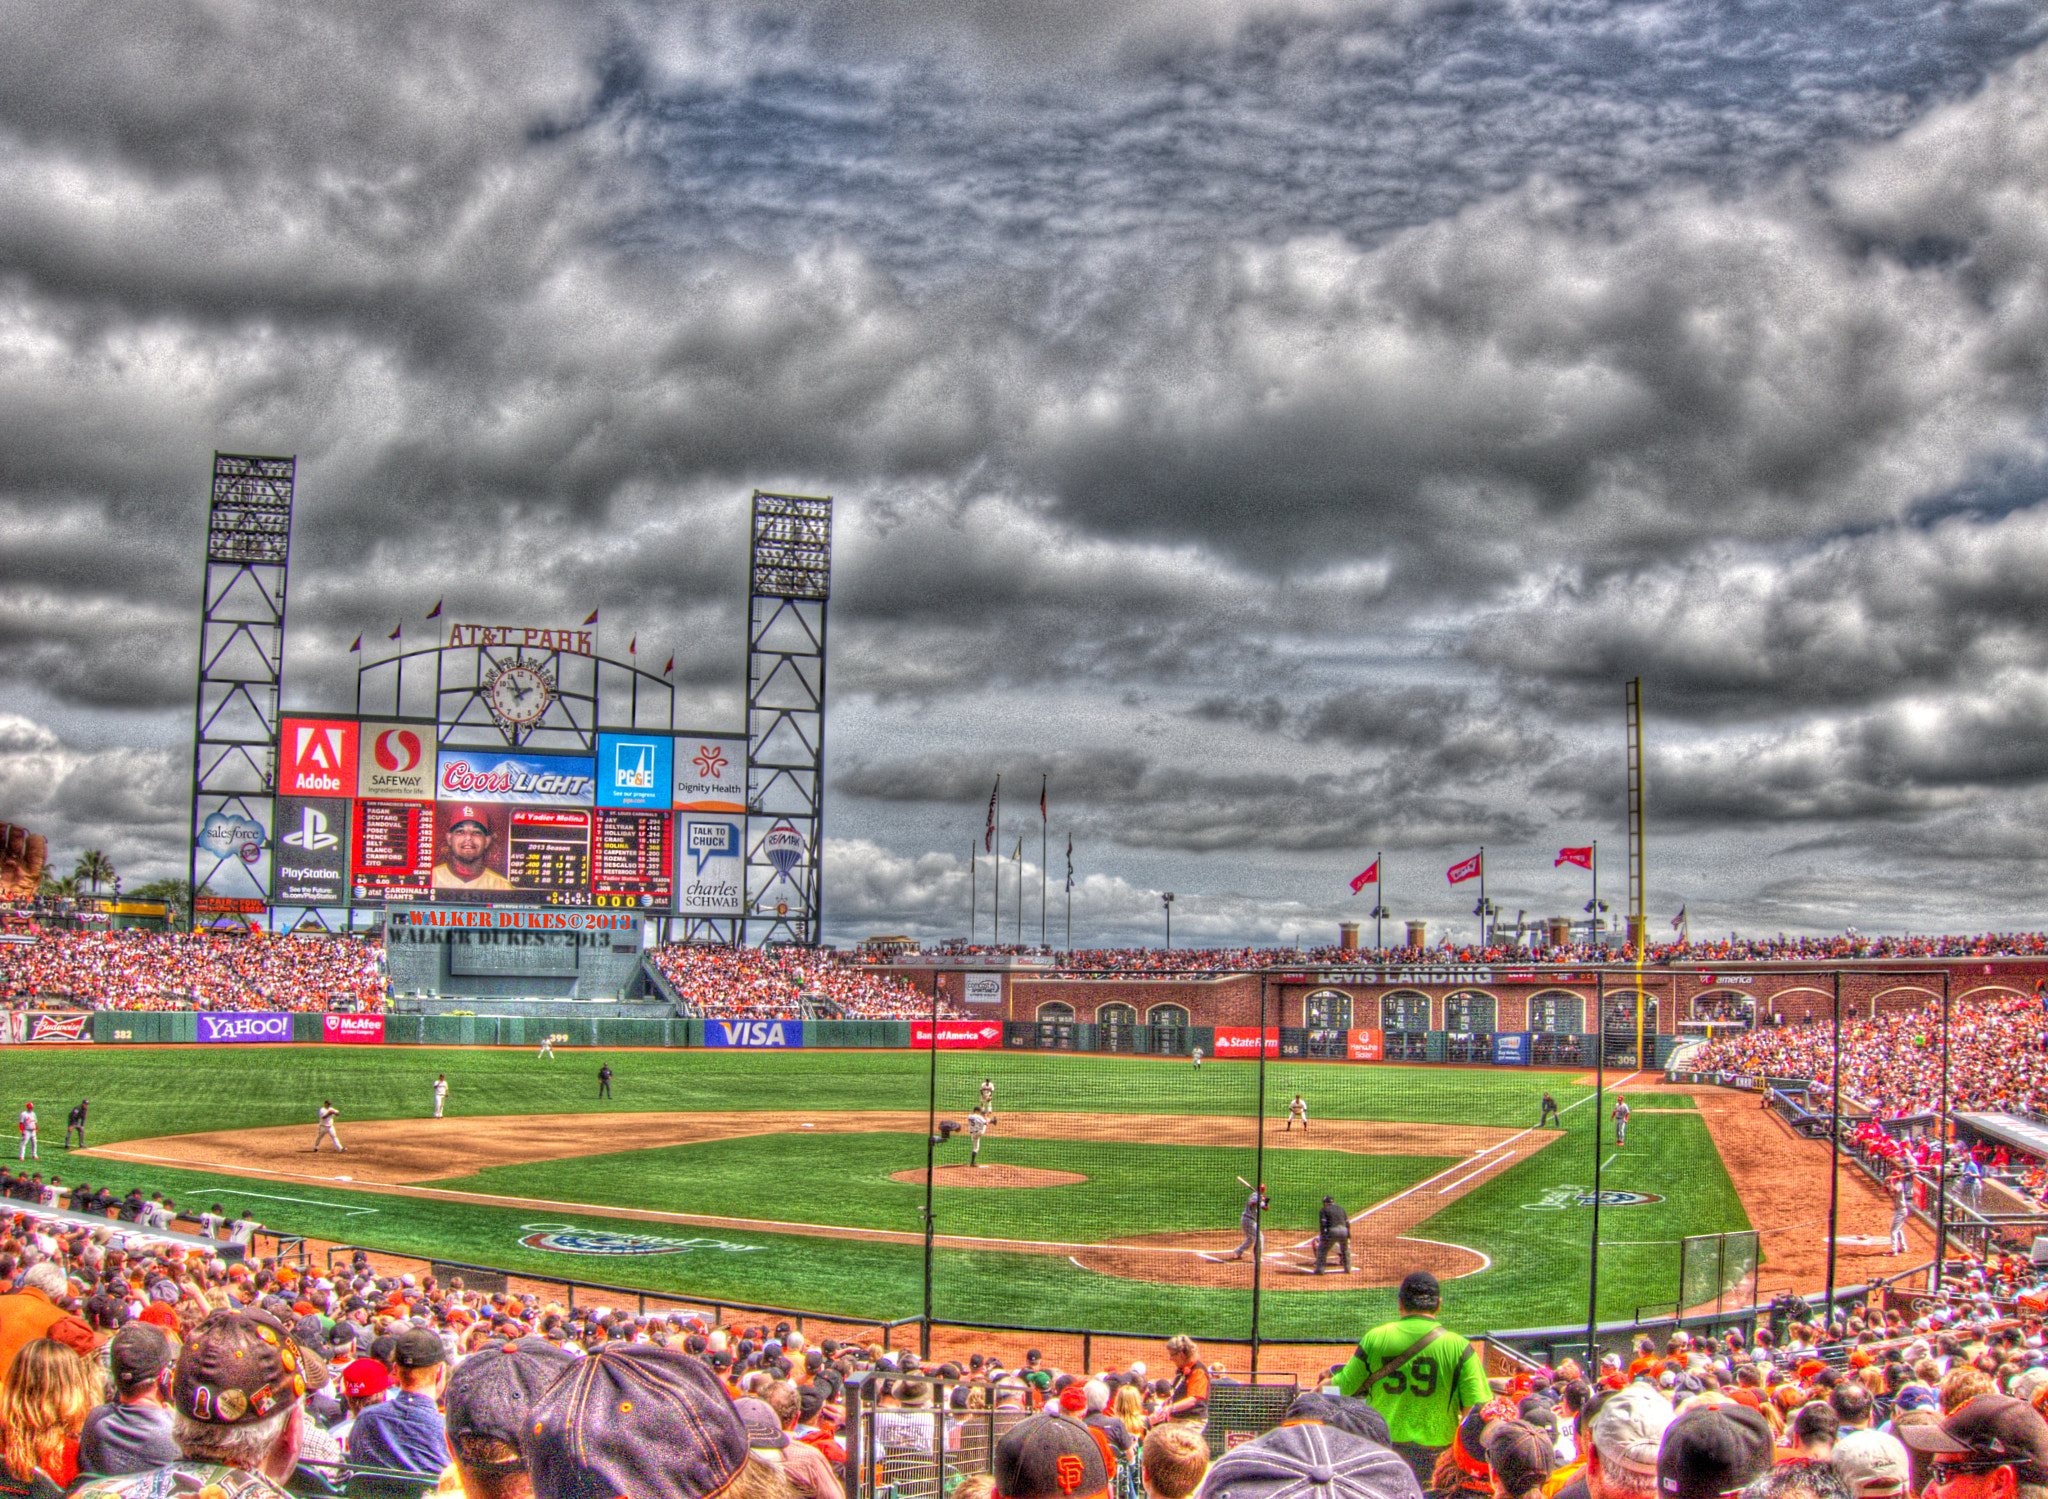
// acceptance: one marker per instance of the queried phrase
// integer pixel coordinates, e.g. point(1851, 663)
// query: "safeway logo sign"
point(319, 757)
point(958, 1035)
point(397, 762)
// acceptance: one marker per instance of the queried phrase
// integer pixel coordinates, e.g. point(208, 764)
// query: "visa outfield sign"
point(244, 1027)
point(754, 1033)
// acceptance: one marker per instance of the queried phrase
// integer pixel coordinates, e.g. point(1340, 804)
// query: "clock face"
point(519, 693)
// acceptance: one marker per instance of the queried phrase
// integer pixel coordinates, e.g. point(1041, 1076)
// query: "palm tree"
point(93, 868)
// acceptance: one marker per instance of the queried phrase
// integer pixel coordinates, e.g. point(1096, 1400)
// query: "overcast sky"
point(1287, 424)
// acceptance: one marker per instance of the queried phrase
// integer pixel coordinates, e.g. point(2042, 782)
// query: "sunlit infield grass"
point(1539, 1255)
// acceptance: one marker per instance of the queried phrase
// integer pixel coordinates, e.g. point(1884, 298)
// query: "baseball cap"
point(491, 1395)
point(1048, 1457)
point(764, 1427)
point(635, 1419)
point(1312, 1461)
point(1873, 1464)
point(419, 1348)
point(1420, 1289)
point(1520, 1456)
point(363, 1378)
point(467, 813)
point(1989, 1430)
point(1630, 1427)
point(237, 1367)
point(1345, 1412)
point(1711, 1450)
point(138, 1352)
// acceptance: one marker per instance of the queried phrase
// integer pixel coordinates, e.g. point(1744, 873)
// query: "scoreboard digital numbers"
point(1407, 1012)
point(1468, 1012)
point(550, 855)
point(393, 848)
point(1557, 1014)
point(631, 860)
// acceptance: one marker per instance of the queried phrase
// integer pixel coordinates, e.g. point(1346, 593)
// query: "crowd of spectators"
point(132, 1364)
point(779, 983)
point(138, 970)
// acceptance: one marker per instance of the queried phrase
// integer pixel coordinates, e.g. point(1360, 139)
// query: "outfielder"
point(440, 1093)
point(1198, 1059)
point(1621, 1122)
point(328, 1114)
point(1549, 1112)
point(1297, 1112)
point(977, 1126)
point(75, 1120)
point(1248, 1220)
point(547, 1049)
point(26, 1122)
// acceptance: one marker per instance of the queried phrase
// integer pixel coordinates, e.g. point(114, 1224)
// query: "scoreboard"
point(650, 822)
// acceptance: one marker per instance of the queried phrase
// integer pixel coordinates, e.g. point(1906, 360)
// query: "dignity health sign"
point(245, 1027)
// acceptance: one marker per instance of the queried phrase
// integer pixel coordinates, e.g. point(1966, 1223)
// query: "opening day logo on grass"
point(563, 1239)
point(1561, 1197)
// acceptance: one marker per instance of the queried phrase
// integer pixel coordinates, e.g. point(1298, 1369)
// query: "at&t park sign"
point(525, 637)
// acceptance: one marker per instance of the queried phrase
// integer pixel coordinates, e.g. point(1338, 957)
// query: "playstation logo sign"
point(312, 835)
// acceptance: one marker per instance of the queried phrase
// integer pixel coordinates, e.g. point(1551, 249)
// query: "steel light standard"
point(1167, 900)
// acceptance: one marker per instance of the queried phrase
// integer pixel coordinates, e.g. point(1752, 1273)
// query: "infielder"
point(1248, 1220)
point(27, 1124)
point(1902, 1189)
point(440, 1093)
point(977, 1126)
point(547, 1049)
point(1297, 1112)
point(1621, 1122)
point(1549, 1112)
point(328, 1114)
point(988, 1095)
point(75, 1120)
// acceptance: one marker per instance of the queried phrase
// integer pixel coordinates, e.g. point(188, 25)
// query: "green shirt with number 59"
point(1423, 1399)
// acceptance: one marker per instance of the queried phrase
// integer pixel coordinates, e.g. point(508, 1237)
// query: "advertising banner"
point(316, 757)
point(228, 905)
point(710, 865)
point(354, 1030)
point(1510, 1049)
point(1364, 1046)
point(483, 775)
point(311, 867)
point(396, 761)
point(391, 846)
point(984, 988)
point(635, 770)
point(20, 1029)
point(248, 1026)
point(230, 835)
point(1243, 1041)
point(631, 863)
point(754, 1033)
point(958, 1035)
point(710, 773)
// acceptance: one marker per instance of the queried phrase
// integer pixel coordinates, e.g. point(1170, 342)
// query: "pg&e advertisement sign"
point(249, 1026)
point(754, 1033)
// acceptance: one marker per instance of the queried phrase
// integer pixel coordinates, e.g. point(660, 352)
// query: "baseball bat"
point(1243, 1183)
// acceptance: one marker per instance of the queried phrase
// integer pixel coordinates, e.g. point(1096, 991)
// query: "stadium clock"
point(519, 693)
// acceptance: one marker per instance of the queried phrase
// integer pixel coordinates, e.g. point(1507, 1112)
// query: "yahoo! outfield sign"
point(251, 1027)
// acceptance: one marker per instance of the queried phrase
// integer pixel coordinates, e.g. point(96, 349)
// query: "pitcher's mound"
point(991, 1175)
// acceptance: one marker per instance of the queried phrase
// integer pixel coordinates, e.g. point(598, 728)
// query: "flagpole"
point(973, 870)
point(1482, 895)
point(1070, 893)
point(995, 914)
point(1020, 890)
point(1043, 856)
point(1596, 892)
point(1379, 900)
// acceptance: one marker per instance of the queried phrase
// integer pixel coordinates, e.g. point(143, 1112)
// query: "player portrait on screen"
point(469, 847)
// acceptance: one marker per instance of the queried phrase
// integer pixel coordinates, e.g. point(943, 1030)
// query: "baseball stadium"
point(500, 1007)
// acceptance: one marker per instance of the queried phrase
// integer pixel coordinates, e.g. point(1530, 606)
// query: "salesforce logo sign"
point(250, 1027)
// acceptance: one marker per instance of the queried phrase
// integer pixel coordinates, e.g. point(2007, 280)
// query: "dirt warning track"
point(405, 1156)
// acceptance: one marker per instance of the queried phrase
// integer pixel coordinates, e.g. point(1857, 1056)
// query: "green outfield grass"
point(1539, 1254)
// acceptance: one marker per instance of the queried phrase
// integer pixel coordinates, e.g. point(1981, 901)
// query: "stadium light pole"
point(931, 1147)
point(1599, 1113)
point(1258, 1179)
point(1835, 1152)
point(1167, 900)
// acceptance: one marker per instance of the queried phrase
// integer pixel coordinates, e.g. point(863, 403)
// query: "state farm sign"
point(1243, 1041)
point(958, 1035)
point(354, 1029)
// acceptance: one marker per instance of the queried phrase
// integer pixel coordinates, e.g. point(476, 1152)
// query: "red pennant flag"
point(988, 839)
point(593, 618)
point(1470, 869)
point(1041, 797)
point(1583, 857)
point(352, 650)
point(435, 612)
point(670, 667)
point(1372, 872)
point(397, 632)
point(633, 646)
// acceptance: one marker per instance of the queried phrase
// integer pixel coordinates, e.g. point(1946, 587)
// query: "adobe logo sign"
point(397, 762)
point(316, 757)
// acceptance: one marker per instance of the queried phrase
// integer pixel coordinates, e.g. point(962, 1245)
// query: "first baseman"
point(440, 1093)
point(328, 1114)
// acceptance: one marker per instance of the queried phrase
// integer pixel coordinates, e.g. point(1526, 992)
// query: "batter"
point(1248, 1220)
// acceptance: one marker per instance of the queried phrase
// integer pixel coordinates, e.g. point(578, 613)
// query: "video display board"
point(377, 812)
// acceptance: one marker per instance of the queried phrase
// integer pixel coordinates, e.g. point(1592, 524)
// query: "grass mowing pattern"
point(1539, 1258)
